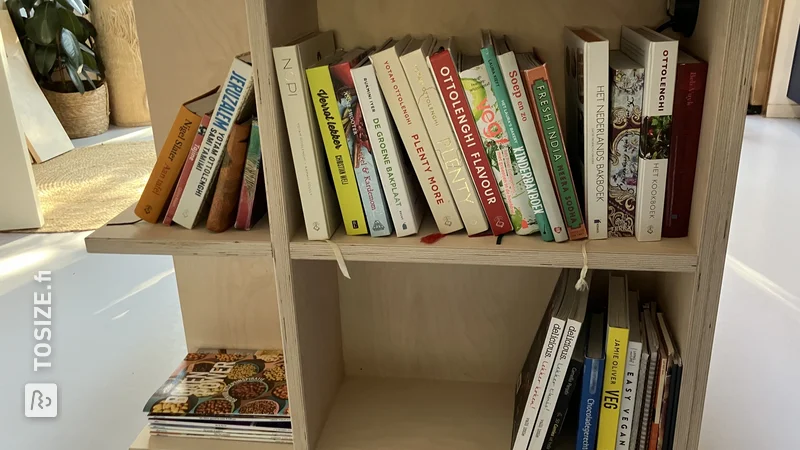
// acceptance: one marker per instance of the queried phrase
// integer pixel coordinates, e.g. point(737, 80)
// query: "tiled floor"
point(117, 330)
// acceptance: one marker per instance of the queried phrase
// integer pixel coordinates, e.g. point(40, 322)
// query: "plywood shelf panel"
point(146, 442)
point(126, 234)
point(668, 255)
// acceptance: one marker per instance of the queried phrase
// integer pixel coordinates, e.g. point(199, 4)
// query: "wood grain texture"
point(675, 255)
point(187, 48)
point(445, 322)
point(228, 302)
point(765, 51)
point(127, 234)
point(146, 442)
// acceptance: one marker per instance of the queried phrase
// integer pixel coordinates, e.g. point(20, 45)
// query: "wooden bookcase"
point(420, 349)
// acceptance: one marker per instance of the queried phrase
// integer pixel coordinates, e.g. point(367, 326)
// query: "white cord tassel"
point(337, 252)
point(582, 285)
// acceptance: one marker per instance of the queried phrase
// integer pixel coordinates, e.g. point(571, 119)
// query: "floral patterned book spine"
point(627, 84)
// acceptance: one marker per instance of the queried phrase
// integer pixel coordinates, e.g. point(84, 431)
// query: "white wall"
point(778, 104)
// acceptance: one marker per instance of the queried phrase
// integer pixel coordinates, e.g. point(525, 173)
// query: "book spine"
point(250, 180)
point(444, 141)
point(485, 110)
point(616, 351)
point(187, 169)
point(471, 145)
point(527, 128)
point(623, 159)
point(520, 164)
point(669, 439)
point(589, 411)
point(659, 89)
point(236, 92)
point(554, 385)
point(536, 394)
point(305, 140)
point(408, 119)
point(647, 405)
point(401, 197)
point(339, 158)
point(596, 139)
point(537, 85)
point(571, 381)
point(168, 167)
point(222, 214)
point(625, 428)
point(372, 198)
point(687, 119)
point(658, 399)
point(639, 398)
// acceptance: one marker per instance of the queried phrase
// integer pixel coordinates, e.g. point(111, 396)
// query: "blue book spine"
point(589, 412)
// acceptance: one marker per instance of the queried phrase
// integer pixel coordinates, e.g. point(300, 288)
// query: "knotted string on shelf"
point(582, 285)
point(337, 253)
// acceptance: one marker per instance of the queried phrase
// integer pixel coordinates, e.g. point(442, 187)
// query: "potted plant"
point(59, 43)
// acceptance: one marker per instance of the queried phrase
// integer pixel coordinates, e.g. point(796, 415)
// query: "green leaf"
point(86, 48)
point(28, 4)
point(14, 7)
point(70, 21)
point(44, 58)
point(76, 5)
point(72, 51)
point(76, 79)
point(88, 78)
point(43, 27)
point(90, 61)
point(88, 27)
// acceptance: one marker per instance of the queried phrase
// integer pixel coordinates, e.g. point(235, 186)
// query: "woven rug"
point(85, 188)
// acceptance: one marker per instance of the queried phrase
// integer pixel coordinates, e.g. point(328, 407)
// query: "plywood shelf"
point(126, 234)
point(146, 442)
point(668, 255)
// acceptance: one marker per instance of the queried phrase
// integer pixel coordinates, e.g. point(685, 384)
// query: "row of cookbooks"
point(603, 368)
point(484, 138)
point(210, 167)
point(228, 395)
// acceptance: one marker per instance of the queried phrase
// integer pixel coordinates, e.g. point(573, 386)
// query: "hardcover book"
point(616, 352)
point(235, 103)
point(400, 99)
point(631, 381)
point(627, 87)
point(690, 92)
point(187, 169)
point(540, 92)
point(452, 93)
point(172, 158)
point(539, 364)
point(423, 86)
point(587, 121)
point(593, 368)
point(402, 194)
point(308, 152)
point(658, 54)
point(340, 149)
point(253, 195)
point(668, 382)
point(242, 387)
point(222, 215)
point(520, 164)
point(486, 112)
point(527, 127)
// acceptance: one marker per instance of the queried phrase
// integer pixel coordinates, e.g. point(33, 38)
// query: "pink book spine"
point(186, 171)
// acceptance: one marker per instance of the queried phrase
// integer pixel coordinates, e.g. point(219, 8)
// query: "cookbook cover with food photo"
point(232, 385)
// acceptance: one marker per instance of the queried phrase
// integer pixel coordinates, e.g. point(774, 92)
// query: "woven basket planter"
point(82, 115)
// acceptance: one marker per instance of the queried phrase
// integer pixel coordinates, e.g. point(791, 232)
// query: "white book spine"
point(411, 128)
point(659, 59)
point(553, 390)
point(444, 141)
point(530, 137)
point(596, 138)
point(234, 94)
point(320, 209)
point(638, 401)
point(628, 403)
point(401, 197)
point(535, 396)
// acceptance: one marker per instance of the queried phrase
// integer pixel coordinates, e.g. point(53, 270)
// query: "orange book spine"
point(168, 167)
point(229, 183)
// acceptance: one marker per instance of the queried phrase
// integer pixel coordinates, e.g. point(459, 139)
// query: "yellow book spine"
point(330, 125)
point(613, 381)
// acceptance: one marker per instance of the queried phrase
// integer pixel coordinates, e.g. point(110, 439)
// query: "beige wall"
point(778, 104)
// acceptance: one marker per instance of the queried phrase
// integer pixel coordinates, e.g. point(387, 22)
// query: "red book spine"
point(687, 116)
point(446, 75)
point(187, 169)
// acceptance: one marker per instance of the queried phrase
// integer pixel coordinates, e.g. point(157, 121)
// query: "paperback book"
point(616, 353)
point(253, 196)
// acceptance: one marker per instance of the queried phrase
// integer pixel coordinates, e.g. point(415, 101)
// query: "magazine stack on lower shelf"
point(224, 395)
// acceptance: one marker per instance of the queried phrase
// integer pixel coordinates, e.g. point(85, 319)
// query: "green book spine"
point(521, 164)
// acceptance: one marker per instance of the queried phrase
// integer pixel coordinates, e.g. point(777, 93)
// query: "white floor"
point(117, 330)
